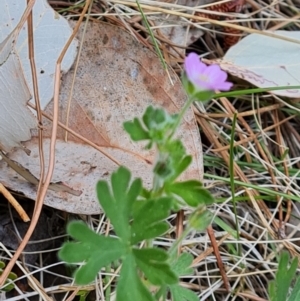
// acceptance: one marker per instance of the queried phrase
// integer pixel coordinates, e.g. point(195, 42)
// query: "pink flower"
point(204, 77)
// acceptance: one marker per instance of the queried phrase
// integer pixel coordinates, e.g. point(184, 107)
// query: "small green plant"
point(8, 285)
point(280, 287)
point(138, 214)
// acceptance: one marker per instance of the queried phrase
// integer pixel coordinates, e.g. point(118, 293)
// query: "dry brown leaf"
point(117, 79)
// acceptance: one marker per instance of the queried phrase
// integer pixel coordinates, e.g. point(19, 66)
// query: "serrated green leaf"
point(182, 294)
point(88, 272)
point(88, 242)
point(118, 199)
point(295, 295)
point(95, 250)
point(175, 152)
point(159, 123)
point(158, 119)
point(182, 266)
point(148, 219)
point(154, 254)
point(153, 263)
point(153, 117)
point(130, 286)
point(150, 233)
point(191, 192)
point(136, 130)
point(81, 232)
point(180, 167)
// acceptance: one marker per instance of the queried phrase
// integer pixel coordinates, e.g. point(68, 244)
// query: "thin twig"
point(14, 203)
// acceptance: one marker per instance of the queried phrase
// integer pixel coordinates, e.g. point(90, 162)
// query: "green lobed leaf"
point(153, 263)
point(88, 240)
point(95, 250)
point(180, 167)
point(81, 232)
point(182, 265)
point(152, 117)
point(118, 199)
point(175, 151)
point(172, 155)
point(159, 123)
point(148, 219)
point(130, 286)
point(136, 130)
point(152, 232)
point(88, 272)
point(182, 294)
point(191, 192)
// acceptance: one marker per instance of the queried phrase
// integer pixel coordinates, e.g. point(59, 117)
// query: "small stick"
point(14, 203)
point(179, 227)
point(214, 245)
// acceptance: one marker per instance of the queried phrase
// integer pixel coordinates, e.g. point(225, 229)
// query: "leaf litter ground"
point(265, 123)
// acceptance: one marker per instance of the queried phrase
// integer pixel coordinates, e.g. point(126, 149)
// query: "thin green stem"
point(232, 184)
point(256, 90)
point(188, 103)
point(179, 240)
point(106, 280)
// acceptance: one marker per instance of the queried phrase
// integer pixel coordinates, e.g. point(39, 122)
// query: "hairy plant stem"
point(188, 103)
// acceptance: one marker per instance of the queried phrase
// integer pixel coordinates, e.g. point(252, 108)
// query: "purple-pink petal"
point(205, 77)
point(225, 86)
point(212, 69)
point(193, 66)
point(220, 77)
point(202, 84)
